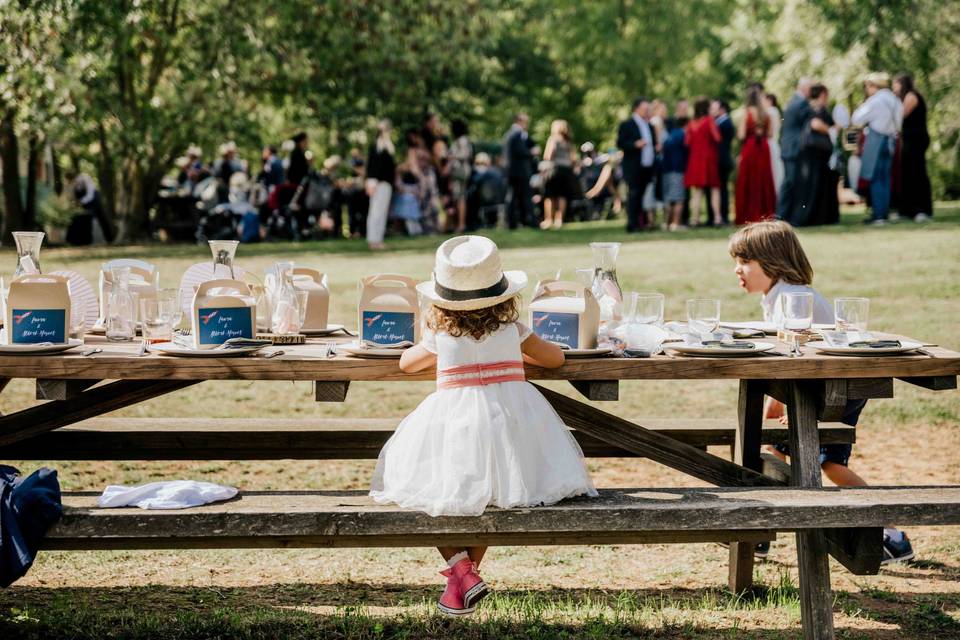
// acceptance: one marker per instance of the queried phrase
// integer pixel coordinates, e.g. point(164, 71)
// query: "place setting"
point(850, 337)
point(704, 336)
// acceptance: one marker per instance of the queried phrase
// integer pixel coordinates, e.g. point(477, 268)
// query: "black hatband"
point(458, 295)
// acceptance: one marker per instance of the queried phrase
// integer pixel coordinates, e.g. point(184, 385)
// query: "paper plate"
point(585, 353)
point(331, 328)
point(354, 349)
point(82, 296)
point(32, 349)
point(172, 349)
point(906, 346)
point(695, 350)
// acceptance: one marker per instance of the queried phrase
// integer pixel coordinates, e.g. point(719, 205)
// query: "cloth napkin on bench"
point(172, 494)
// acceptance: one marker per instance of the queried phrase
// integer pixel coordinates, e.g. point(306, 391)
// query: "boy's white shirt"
point(822, 309)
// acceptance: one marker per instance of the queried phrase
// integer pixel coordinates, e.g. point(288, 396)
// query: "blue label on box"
point(39, 325)
point(217, 325)
point(388, 327)
point(562, 328)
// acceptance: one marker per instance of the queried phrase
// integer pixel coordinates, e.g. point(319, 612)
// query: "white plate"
point(331, 328)
point(369, 352)
point(32, 349)
point(585, 353)
point(691, 350)
point(172, 349)
point(905, 347)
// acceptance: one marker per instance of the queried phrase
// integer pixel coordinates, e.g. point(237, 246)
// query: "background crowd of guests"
point(796, 166)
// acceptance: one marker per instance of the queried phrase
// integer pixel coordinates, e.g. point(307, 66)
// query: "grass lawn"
point(912, 275)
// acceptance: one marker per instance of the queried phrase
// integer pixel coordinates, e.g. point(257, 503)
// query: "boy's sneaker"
point(451, 602)
point(762, 550)
point(894, 551)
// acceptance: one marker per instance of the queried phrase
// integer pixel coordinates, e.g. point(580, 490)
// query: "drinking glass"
point(302, 298)
point(78, 319)
point(646, 307)
point(172, 296)
point(797, 311)
point(703, 316)
point(851, 314)
point(585, 277)
point(157, 315)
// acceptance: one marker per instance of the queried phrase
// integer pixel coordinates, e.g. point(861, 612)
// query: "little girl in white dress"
point(486, 436)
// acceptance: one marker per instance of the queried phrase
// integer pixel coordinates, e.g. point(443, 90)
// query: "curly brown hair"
point(475, 323)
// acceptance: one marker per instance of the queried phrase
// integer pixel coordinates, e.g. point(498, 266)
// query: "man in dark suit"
point(795, 118)
point(519, 150)
point(637, 139)
point(720, 111)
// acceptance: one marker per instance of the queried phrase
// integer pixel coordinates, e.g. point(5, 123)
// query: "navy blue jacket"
point(727, 133)
point(28, 508)
point(795, 118)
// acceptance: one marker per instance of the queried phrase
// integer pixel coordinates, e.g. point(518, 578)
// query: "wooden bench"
point(618, 516)
point(315, 439)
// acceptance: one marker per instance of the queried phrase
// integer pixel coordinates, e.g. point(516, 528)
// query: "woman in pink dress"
point(703, 170)
point(756, 195)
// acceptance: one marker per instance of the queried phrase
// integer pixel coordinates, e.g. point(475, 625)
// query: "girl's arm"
point(551, 145)
point(910, 103)
point(714, 130)
point(417, 358)
point(742, 129)
point(541, 353)
point(605, 174)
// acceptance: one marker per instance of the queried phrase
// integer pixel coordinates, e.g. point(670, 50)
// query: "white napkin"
point(173, 494)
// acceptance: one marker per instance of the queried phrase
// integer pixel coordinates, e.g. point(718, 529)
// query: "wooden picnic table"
point(814, 387)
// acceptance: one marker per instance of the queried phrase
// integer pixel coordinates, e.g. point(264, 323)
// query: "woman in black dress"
point(816, 189)
point(916, 200)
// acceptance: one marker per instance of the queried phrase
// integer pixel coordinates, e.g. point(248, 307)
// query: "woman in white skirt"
point(381, 172)
point(773, 139)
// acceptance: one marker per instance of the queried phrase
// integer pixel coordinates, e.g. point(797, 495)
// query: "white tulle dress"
point(485, 437)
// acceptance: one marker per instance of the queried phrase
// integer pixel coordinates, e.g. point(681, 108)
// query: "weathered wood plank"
point(934, 383)
point(657, 447)
point(99, 400)
point(62, 389)
point(308, 362)
point(336, 514)
point(331, 390)
point(746, 452)
point(598, 389)
point(125, 438)
point(816, 597)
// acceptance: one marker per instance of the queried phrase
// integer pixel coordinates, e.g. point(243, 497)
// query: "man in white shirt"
point(882, 114)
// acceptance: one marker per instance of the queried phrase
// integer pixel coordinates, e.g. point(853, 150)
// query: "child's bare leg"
point(842, 476)
point(715, 203)
point(449, 552)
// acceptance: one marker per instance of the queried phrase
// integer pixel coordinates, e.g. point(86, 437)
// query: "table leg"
point(746, 452)
point(816, 597)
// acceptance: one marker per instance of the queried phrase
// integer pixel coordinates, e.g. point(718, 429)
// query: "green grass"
point(910, 272)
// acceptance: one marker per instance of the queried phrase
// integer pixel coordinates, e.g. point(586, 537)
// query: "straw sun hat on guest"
point(468, 275)
point(878, 79)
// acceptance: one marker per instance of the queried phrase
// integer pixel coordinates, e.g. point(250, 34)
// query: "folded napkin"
point(397, 345)
point(244, 343)
point(736, 344)
point(874, 344)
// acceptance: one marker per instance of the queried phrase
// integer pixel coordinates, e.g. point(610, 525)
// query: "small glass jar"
point(121, 312)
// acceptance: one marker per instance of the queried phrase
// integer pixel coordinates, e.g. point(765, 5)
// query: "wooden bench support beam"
point(746, 452)
point(659, 448)
point(598, 389)
point(331, 391)
point(94, 402)
point(934, 383)
point(51, 389)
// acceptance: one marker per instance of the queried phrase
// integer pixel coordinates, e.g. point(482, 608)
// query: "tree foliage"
point(121, 87)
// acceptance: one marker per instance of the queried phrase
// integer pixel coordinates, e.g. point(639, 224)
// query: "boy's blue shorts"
point(837, 453)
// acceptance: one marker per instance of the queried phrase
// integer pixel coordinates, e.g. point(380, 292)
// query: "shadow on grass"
point(349, 610)
point(947, 216)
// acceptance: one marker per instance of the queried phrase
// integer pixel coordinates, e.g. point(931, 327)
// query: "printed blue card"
point(39, 325)
point(562, 328)
point(219, 324)
point(388, 327)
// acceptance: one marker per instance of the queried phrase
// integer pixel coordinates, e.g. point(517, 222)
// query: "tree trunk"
point(30, 209)
point(57, 171)
point(9, 159)
point(106, 177)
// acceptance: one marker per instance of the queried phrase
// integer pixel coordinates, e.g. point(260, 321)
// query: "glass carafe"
point(121, 312)
point(223, 252)
point(606, 288)
point(286, 304)
point(28, 252)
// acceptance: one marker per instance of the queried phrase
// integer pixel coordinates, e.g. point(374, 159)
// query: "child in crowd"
point(485, 437)
point(769, 260)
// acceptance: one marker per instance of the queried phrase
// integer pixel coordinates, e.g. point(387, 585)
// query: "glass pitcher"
point(121, 312)
point(286, 319)
point(606, 288)
point(223, 252)
point(28, 252)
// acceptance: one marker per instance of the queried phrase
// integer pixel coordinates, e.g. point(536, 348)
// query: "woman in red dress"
point(703, 172)
point(756, 195)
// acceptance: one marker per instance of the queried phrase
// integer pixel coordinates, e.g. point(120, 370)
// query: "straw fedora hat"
point(879, 79)
point(468, 275)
